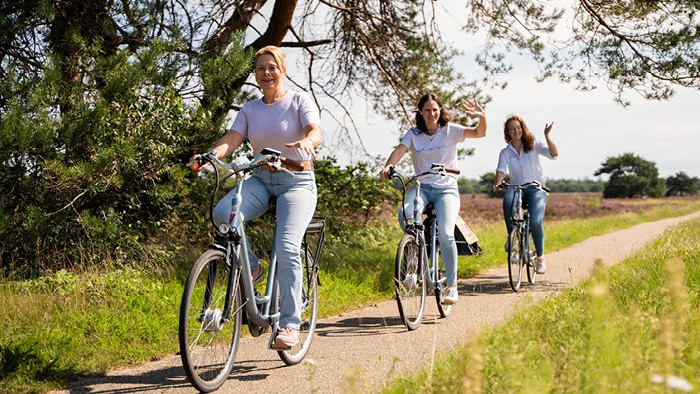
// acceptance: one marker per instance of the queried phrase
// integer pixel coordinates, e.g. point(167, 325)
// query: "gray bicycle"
point(220, 295)
point(419, 268)
point(520, 248)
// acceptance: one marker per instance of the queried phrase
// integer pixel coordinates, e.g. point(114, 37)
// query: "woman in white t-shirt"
point(521, 158)
point(434, 140)
point(286, 121)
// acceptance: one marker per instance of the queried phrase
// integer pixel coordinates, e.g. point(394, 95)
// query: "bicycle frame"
point(416, 226)
point(520, 223)
point(236, 248)
point(219, 295)
point(426, 273)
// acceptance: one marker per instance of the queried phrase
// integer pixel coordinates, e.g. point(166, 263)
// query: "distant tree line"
point(629, 176)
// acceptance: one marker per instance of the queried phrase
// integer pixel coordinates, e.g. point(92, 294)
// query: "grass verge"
point(65, 325)
point(631, 328)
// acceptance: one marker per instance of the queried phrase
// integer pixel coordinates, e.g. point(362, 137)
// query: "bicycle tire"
point(309, 311)
point(530, 263)
point(208, 344)
point(409, 281)
point(441, 285)
point(515, 261)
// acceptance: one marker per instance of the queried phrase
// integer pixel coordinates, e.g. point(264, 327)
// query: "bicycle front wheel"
point(409, 281)
point(530, 256)
point(309, 309)
point(515, 258)
point(441, 285)
point(209, 327)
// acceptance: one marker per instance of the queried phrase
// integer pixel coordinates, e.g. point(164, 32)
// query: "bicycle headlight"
point(224, 228)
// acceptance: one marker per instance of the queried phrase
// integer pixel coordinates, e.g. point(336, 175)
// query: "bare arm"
point(499, 178)
point(228, 143)
point(474, 109)
point(311, 141)
point(393, 159)
point(553, 151)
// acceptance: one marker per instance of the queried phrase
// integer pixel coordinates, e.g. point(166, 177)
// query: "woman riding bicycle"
point(289, 122)
point(521, 157)
point(434, 140)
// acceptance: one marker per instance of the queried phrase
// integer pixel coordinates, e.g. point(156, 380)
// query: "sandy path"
point(372, 345)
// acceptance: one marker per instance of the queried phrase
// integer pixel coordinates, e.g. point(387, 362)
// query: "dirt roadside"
point(372, 345)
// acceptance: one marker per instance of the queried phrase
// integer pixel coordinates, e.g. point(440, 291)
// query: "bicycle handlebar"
point(436, 169)
point(534, 184)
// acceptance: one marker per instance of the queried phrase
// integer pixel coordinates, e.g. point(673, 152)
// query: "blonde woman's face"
point(430, 112)
point(268, 74)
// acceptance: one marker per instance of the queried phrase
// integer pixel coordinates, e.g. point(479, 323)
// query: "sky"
point(588, 127)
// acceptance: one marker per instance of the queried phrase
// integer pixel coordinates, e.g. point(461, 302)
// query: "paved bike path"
point(371, 346)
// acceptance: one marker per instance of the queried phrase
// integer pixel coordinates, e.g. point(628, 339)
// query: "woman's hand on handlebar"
point(386, 172)
point(196, 164)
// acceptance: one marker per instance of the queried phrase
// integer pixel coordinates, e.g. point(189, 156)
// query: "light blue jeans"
point(446, 202)
point(537, 203)
point(296, 203)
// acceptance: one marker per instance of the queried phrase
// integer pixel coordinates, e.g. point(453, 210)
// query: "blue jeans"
point(446, 202)
point(296, 203)
point(537, 203)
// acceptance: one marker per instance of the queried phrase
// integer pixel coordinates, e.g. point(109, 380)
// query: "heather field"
point(564, 206)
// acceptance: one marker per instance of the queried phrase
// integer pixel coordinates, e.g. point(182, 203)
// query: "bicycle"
point(220, 296)
point(418, 258)
point(520, 248)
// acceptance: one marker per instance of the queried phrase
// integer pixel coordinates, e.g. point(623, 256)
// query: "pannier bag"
point(467, 242)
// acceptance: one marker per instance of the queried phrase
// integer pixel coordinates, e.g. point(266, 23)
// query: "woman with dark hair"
point(521, 158)
point(434, 140)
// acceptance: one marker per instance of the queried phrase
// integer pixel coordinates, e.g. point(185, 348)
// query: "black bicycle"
point(520, 248)
point(220, 296)
point(419, 267)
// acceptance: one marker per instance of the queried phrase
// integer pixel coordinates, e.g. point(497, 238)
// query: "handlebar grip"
point(291, 164)
point(453, 171)
point(391, 171)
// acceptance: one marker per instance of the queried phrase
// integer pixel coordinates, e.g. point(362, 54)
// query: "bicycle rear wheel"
point(309, 309)
point(441, 285)
point(208, 338)
point(515, 261)
point(409, 281)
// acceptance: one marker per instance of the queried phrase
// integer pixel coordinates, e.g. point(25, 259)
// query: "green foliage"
point(631, 176)
point(95, 180)
point(349, 197)
point(59, 326)
point(682, 185)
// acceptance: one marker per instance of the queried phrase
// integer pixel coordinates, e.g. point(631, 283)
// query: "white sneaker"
point(450, 296)
point(540, 266)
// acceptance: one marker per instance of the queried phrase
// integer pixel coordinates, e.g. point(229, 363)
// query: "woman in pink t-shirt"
point(434, 140)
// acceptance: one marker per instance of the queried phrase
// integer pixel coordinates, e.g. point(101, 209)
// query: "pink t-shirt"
point(273, 125)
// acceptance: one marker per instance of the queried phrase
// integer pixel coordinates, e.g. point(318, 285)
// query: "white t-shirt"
point(523, 167)
point(273, 125)
point(440, 147)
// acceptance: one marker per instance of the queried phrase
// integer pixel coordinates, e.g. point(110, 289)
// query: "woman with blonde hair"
point(286, 121)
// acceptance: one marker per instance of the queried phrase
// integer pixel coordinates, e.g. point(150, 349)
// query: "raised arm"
point(553, 151)
point(474, 109)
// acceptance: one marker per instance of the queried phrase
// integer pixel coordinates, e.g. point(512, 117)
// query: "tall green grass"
point(64, 325)
point(631, 328)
